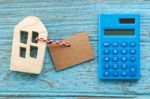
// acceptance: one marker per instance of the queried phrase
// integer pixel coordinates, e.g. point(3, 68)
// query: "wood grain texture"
point(64, 18)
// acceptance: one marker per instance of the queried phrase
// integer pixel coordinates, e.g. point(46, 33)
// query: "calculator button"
point(124, 59)
point(124, 51)
point(124, 74)
point(133, 70)
point(106, 44)
point(106, 52)
point(115, 51)
point(115, 59)
point(115, 66)
point(106, 73)
point(124, 66)
point(124, 44)
point(106, 66)
point(132, 51)
point(115, 44)
point(132, 59)
point(106, 59)
point(132, 44)
point(115, 73)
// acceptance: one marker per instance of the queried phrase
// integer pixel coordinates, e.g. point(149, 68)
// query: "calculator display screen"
point(118, 32)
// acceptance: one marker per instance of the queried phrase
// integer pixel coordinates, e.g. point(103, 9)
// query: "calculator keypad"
point(124, 66)
point(124, 51)
point(124, 44)
point(106, 44)
point(115, 51)
point(123, 58)
point(115, 73)
point(119, 59)
point(132, 44)
point(115, 44)
point(106, 66)
point(132, 70)
point(106, 52)
point(132, 51)
point(115, 66)
point(115, 59)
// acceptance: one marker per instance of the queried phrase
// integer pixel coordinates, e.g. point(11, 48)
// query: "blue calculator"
point(119, 47)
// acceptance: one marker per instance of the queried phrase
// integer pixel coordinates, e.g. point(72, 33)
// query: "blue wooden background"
point(64, 18)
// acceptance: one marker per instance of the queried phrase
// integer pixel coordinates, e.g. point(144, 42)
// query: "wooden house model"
point(27, 54)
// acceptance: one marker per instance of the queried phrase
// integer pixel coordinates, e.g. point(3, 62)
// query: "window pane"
point(34, 36)
point(22, 52)
point(24, 36)
point(33, 51)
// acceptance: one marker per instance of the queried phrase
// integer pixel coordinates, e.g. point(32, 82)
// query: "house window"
point(34, 36)
point(24, 37)
point(33, 51)
point(22, 52)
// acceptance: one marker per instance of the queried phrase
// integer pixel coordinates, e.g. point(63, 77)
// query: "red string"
point(65, 44)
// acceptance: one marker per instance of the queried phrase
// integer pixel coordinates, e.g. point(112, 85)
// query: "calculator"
point(119, 46)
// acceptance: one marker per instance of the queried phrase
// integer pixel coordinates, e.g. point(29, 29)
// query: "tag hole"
point(33, 51)
point(24, 36)
point(22, 52)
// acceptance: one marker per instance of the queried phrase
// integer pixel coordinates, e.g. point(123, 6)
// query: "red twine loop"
point(65, 44)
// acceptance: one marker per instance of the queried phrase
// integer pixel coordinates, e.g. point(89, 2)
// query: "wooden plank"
point(81, 79)
point(69, 17)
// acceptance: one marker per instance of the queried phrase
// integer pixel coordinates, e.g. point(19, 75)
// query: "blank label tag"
point(80, 51)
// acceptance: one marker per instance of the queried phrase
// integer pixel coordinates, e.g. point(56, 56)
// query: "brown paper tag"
point(80, 51)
